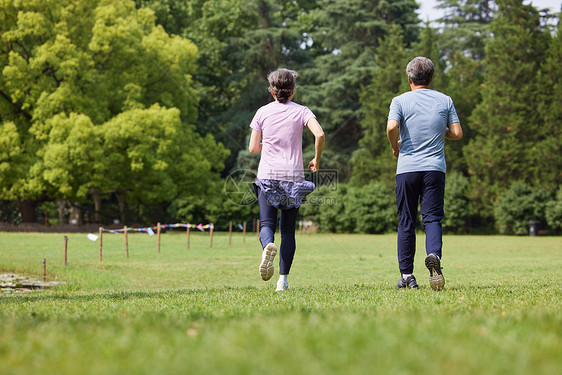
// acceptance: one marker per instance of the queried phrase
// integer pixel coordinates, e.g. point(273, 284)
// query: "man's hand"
point(454, 132)
point(397, 151)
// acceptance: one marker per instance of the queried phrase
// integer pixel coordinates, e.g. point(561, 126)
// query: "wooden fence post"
point(188, 225)
point(44, 271)
point(211, 227)
point(244, 233)
point(65, 249)
point(101, 240)
point(158, 237)
point(258, 229)
point(125, 231)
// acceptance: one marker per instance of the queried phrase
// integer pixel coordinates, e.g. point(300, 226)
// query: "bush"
point(216, 204)
point(518, 206)
point(326, 207)
point(10, 212)
point(372, 209)
point(369, 209)
point(456, 203)
point(554, 212)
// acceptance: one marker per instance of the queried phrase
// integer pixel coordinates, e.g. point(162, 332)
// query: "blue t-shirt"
point(423, 116)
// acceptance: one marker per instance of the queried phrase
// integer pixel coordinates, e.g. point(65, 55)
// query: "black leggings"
point(268, 223)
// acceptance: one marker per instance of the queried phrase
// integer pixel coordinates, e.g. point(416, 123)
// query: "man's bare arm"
point(393, 133)
point(454, 132)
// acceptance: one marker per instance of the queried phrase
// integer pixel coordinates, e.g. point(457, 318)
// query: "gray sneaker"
point(436, 279)
point(409, 283)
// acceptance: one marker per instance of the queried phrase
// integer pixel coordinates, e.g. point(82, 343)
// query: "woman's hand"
point(314, 165)
point(319, 139)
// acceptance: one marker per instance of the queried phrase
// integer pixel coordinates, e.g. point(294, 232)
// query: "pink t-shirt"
point(281, 126)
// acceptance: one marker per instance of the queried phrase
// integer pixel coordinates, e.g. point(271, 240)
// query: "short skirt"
point(283, 194)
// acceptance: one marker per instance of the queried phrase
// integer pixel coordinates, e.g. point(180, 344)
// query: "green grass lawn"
point(206, 310)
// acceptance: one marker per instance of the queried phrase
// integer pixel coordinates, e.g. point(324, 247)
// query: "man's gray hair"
point(420, 70)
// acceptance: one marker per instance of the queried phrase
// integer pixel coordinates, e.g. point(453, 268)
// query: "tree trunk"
point(28, 210)
point(122, 207)
point(61, 209)
point(75, 215)
point(97, 205)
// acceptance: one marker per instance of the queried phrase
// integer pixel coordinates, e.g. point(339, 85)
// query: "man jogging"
point(418, 124)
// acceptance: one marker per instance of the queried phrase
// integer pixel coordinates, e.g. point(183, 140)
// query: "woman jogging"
point(280, 184)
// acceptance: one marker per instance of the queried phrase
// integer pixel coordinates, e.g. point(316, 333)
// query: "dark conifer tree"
point(506, 123)
point(373, 161)
point(465, 27)
point(546, 155)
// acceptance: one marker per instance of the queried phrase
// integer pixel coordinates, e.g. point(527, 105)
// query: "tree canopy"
point(140, 109)
point(98, 99)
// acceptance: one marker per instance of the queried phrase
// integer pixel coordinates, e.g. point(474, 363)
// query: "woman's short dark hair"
point(281, 83)
point(420, 70)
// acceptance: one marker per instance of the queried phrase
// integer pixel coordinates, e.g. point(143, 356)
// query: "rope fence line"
point(158, 228)
point(304, 225)
point(150, 230)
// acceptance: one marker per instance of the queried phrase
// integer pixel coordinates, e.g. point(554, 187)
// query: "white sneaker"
point(282, 285)
point(266, 265)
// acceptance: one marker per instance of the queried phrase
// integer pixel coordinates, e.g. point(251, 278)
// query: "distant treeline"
point(139, 110)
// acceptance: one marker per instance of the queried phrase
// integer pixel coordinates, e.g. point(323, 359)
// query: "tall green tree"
point(465, 78)
point(506, 124)
point(71, 67)
point(545, 154)
point(373, 160)
point(465, 27)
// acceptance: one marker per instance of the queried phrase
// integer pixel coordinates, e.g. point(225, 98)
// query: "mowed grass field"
point(206, 310)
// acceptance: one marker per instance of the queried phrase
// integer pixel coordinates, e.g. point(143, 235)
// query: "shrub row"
point(372, 208)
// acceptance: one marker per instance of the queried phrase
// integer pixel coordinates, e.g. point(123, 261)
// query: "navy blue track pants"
point(427, 188)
